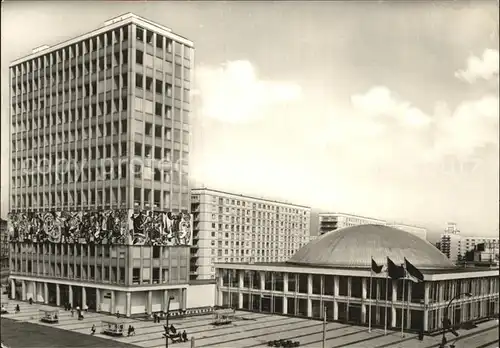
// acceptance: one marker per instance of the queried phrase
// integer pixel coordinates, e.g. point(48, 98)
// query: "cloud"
point(473, 124)
point(379, 101)
point(485, 67)
point(233, 92)
point(382, 130)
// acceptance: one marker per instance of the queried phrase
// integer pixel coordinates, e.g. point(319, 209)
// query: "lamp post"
point(445, 318)
point(167, 314)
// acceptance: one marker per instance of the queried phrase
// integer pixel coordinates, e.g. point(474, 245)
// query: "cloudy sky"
point(378, 109)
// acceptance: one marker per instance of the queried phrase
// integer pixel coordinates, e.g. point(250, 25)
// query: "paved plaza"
point(255, 330)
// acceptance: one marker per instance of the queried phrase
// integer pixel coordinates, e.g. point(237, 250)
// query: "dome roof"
point(354, 247)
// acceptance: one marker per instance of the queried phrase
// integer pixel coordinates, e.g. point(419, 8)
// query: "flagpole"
point(386, 289)
point(403, 306)
point(370, 304)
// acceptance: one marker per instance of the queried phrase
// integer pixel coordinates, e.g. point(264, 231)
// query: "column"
point(377, 308)
point(262, 280)
point(240, 288)
point(128, 304)
point(336, 280)
point(165, 300)
point(425, 323)
point(219, 290)
point(309, 284)
point(440, 311)
point(58, 295)
point(84, 296)
point(112, 307)
point(70, 294)
point(45, 293)
point(240, 279)
point(394, 300)
point(285, 305)
point(240, 300)
point(349, 294)
point(23, 290)
point(309, 307)
point(364, 292)
point(97, 300)
point(183, 299)
point(12, 289)
point(149, 302)
point(285, 283)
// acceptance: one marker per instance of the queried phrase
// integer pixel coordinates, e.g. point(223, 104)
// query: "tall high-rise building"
point(230, 227)
point(455, 246)
point(100, 200)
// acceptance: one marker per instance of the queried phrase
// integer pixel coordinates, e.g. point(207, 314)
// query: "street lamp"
point(445, 318)
point(167, 314)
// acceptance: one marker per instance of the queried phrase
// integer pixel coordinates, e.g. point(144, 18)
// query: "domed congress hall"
point(333, 273)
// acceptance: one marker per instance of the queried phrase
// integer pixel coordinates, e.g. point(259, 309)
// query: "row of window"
point(46, 78)
point(107, 197)
point(99, 42)
point(68, 118)
point(252, 236)
point(236, 202)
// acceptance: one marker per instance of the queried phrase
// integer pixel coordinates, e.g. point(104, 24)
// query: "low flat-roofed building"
point(333, 273)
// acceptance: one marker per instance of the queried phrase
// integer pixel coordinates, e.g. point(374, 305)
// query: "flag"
point(395, 272)
point(376, 268)
point(413, 273)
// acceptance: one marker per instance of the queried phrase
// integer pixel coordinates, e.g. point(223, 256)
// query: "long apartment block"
point(229, 227)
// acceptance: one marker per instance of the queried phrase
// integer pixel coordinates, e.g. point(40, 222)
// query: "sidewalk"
point(30, 313)
point(257, 331)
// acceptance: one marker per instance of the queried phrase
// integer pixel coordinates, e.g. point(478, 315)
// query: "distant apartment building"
point(332, 221)
point(455, 246)
point(229, 227)
point(4, 251)
point(450, 245)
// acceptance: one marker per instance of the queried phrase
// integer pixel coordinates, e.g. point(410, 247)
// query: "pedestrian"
point(118, 314)
point(30, 301)
point(92, 331)
point(72, 312)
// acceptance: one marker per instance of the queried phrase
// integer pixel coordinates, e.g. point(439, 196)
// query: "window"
point(139, 104)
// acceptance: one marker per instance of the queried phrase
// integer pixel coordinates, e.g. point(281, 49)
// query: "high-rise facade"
point(100, 200)
point(4, 251)
point(229, 227)
point(102, 121)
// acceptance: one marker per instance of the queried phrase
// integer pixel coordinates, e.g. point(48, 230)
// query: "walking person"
point(72, 312)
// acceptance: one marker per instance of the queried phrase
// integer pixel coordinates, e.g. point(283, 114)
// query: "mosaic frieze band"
point(126, 227)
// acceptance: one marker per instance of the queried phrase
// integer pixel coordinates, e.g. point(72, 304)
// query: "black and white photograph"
point(243, 174)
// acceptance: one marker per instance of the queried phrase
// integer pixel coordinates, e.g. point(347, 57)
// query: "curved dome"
point(354, 247)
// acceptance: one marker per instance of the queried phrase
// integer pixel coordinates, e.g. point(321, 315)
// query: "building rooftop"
point(250, 197)
point(110, 24)
point(291, 266)
point(354, 247)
